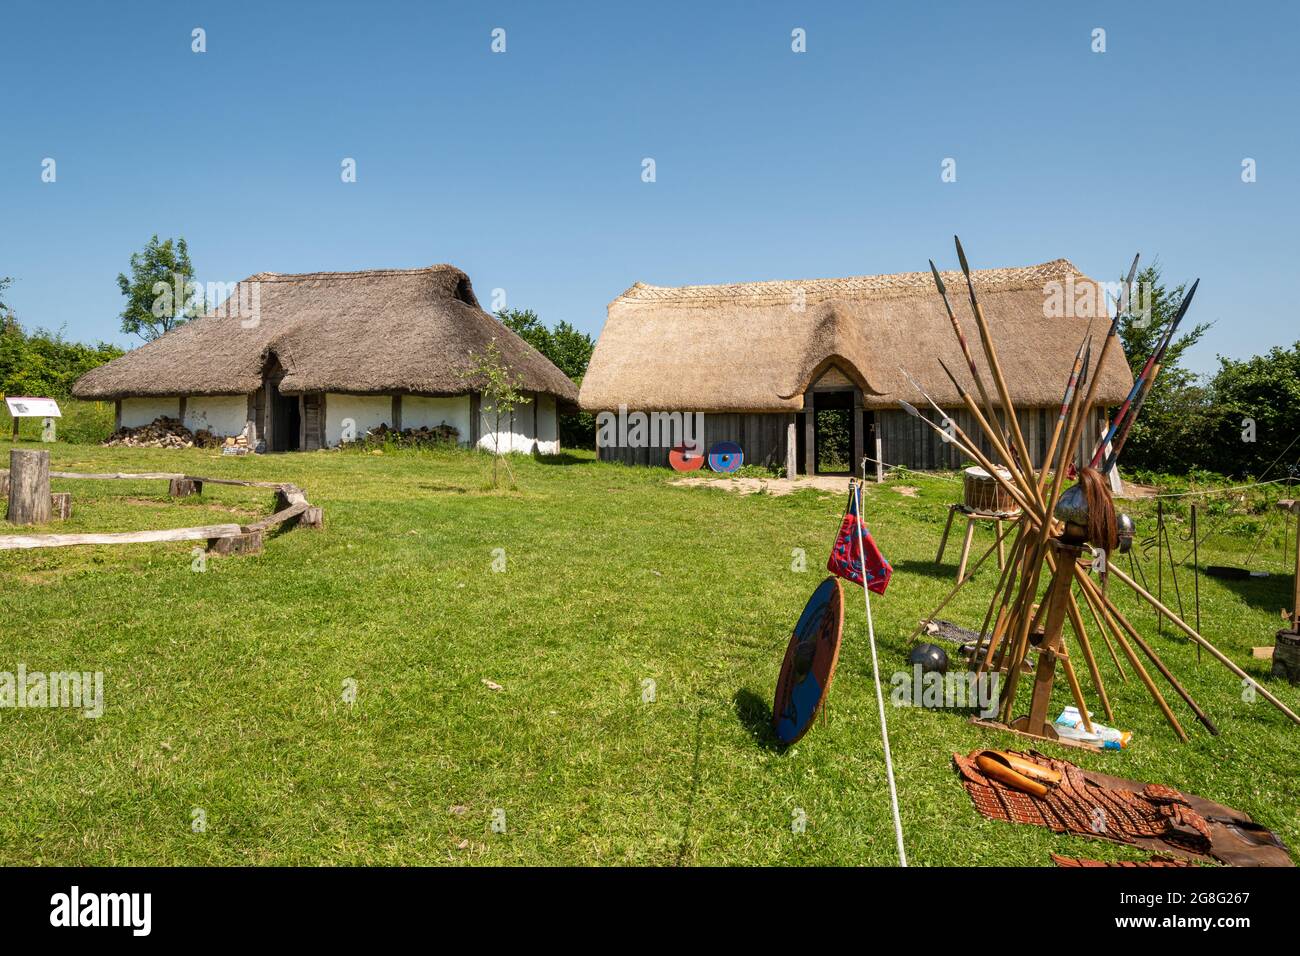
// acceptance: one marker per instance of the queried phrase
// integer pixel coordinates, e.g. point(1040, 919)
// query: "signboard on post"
point(23, 406)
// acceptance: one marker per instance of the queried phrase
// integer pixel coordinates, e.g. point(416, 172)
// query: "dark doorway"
point(284, 420)
point(834, 432)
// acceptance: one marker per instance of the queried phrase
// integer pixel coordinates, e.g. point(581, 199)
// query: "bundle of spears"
point(1067, 532)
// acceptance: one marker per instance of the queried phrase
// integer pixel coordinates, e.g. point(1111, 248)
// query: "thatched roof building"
point(329, 355)
point(757, 356)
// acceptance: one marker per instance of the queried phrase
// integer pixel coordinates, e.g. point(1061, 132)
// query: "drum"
point(981, 492)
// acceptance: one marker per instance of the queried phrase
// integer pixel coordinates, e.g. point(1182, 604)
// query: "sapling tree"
point(498, 384)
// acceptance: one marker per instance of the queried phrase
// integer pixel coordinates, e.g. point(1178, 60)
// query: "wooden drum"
point(983, 493)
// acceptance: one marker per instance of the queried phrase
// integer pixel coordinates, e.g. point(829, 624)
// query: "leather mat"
point(1152, 816)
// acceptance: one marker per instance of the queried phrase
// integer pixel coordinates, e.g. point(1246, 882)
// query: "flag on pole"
point(846, 559)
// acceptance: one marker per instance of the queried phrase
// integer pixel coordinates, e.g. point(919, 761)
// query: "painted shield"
point(809, 664)
point(685, 459)
point(726, 456)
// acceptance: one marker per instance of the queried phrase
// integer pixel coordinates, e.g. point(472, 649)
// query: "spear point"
point(938, 280)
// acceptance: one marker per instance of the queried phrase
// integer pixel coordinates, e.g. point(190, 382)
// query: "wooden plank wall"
point(910, 442)
point(904, 440)
point(761, 437)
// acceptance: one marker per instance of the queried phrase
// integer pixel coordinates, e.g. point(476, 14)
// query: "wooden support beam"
point(792, 447)
point(809, 434)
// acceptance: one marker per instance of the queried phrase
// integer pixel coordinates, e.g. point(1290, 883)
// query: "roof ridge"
point(885, 285)
point(355, 274)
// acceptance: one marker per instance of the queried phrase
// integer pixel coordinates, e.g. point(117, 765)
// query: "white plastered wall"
point(424, 411)
point(355, 414)
point(142, 411)
point(220, 414)
point(532, 427)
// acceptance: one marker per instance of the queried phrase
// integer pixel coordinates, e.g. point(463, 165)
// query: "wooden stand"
point(29, 487)
point(972, 516)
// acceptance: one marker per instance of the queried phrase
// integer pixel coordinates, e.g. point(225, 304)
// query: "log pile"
point(163, 432)
point(424, 436)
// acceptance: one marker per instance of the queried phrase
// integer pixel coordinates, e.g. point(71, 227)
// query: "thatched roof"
point(379, 331)
point(748, 348)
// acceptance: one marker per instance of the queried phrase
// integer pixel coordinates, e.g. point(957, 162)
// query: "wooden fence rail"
point(292, 507)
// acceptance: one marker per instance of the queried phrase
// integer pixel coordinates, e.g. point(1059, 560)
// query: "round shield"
point(726, 456)
point(809, 663)
point(685, 459)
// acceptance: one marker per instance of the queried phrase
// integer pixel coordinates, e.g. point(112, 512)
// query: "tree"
point(161, 293)
point(570, 351)
point(1177, 418)
point(1257, 402)
point(8, 321)
point(500, 388)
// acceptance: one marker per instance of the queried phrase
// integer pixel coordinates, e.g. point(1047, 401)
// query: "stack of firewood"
point(163, 432)
point(384, 433)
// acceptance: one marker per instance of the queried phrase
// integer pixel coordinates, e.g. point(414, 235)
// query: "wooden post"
point(397, 413)
point(29, 487)
point(791, 448)
point(184, 487)
point(1293, 506)
point(809, 440)
point(16, 420)
point(880, 464)
point(859, 439)
point(61, 505)
point(1051, 648)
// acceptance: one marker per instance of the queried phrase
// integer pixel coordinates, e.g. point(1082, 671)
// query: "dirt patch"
point(770, 486)
point(1133, 490)
point(907, 491)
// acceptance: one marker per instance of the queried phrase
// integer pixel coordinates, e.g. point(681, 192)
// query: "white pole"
point(880, 464)
point(880, 696)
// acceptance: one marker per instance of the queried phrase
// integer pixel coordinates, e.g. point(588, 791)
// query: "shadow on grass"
point(441, 488)
point(1268, 594)
point(755, 715)
point(563, 458)
point(946, 572)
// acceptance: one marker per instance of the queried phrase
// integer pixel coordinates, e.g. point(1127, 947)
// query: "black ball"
point(932, 658)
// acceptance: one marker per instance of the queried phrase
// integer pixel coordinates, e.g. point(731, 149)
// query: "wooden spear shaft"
point(1187, 629)
point(1102, 629)
point(1150, 653)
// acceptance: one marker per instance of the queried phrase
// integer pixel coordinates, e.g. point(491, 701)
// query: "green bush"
point(83, 423)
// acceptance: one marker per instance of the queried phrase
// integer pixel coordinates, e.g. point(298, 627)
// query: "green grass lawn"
point(224, 689)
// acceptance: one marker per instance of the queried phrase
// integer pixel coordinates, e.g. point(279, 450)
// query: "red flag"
point(846, 560)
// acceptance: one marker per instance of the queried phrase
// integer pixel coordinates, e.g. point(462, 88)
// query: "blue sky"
point(524, 168)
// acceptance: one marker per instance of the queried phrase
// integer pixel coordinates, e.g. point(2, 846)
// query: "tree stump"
point(237, 544)
point(61, 505)
point(184, 487)
point(29, 487)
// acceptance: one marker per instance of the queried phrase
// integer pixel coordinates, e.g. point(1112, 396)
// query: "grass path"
point(224, 689)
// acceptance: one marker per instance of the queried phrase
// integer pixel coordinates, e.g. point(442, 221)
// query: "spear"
point(1149, 380)
point(1121, 308)
point(990, 352)
point(965, 350)
point(1142, 387)
point(1081, 360)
